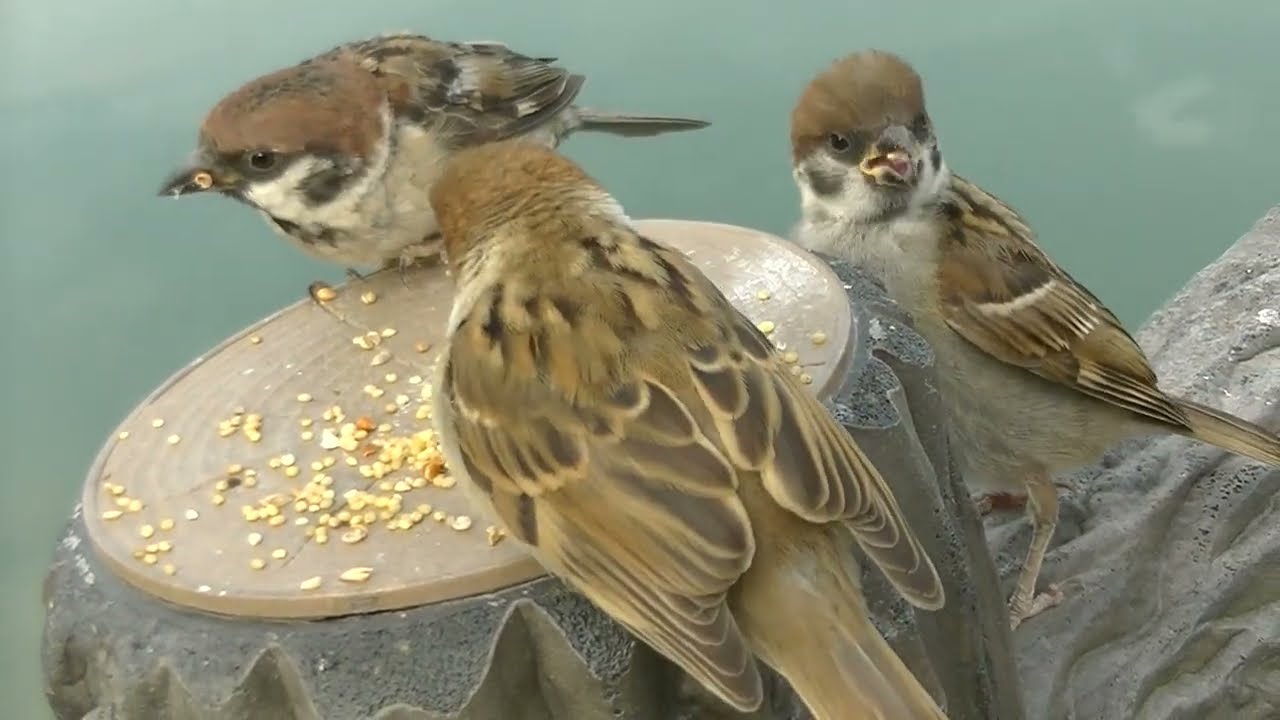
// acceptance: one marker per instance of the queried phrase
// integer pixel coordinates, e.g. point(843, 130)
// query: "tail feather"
point(1232, 433)
point(635, 125)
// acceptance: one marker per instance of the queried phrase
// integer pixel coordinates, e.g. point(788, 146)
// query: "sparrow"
point(1038, 376)
point(647, 444)
point(338, 152)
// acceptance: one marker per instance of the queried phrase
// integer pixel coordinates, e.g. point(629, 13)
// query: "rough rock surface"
point(1169, 553)
point(535, 652)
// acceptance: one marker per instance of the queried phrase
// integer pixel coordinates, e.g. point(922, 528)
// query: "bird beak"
point(198, 175)
point(891, 159)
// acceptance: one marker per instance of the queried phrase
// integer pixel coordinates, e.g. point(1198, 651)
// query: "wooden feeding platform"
point(292, 472)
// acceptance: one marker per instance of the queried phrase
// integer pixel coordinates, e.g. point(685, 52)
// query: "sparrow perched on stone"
point(1038, 375)
point(647, 444)
point(338, 152)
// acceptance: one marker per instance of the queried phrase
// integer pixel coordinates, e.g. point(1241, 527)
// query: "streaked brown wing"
point(1004, 295)
point(476, 92)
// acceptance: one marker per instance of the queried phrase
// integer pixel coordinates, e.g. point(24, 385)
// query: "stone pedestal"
point(193, 580)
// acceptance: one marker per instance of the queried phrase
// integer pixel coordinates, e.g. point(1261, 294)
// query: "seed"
point(150, 558)
point(146, 531)
point(255, 538)
point(390, 377)
point(494, 535)
point(402, 400)
point(324, 293)
point(355, 534)
point(424, 508)
point(806, 378)
point(164, 546)
point(421, 346)
point(257, 563)
point(444, 481)
point(818, 337)
point(288, 459)
point(791, 357)
point(276, 520)
point(124, 435)
point(255, 339)
point(203, 589)
point(381, 358)
point(252, 435)
point(388, 332)
point(462, 522)
point(157, 423)
point(279, 553)
point(763, 295)
point(202, 180)
point(356, 574)
point(292, 471)
point(304, 397)
point(135, 506)
point(365, 423)
point(166, 524)
point(191, 514)
point(368, 297)
point(422, 413)
point(306, 435)
point(402, 487)
point(112, 514)
point(169, 569)
point(765, 326)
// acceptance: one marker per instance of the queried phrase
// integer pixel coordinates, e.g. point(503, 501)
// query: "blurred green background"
point(1137, 135)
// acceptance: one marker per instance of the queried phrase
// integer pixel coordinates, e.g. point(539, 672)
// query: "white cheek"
point(279, 196)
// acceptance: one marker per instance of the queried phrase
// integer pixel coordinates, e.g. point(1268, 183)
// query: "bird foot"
point(987, 502)
point(1021, 608)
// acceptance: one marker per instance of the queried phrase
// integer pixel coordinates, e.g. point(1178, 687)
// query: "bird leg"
point(1042, 502)
point(987, 502)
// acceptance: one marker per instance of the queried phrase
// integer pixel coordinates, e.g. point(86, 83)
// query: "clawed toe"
point(1022, 608)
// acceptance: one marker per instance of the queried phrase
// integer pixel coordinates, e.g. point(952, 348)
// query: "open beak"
point(890, 159)
point(197, 176)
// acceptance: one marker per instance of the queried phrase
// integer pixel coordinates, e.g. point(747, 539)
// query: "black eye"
point(261, 160)
point(838, 142)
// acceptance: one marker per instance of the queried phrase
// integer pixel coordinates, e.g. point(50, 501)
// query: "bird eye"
point(261, 160)
point(838, 142)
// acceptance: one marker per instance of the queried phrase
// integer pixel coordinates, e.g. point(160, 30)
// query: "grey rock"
point(537, 651)
point(1169, 551)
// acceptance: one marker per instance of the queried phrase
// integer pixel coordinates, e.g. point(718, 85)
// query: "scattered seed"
point(766, 326)
point(191, 514)
point(806, 378)
point(203, 589)
point(763, 295)
point(166, 524)
point(146, 531)
point(381, 358)
point(355, 534)
point(390, 377)
point(279, 553)
point(421, 346)
point(325, 293)
point(818, 337)
point(311, 583)
point(304, 397)
point(415, 379)
point(368, 297)
point(255, 538)
point(494, 535)
point(169, 569)
point(157, 423)
point(112, 514)
point(123, 435)
point(292, 471)
point(164, 546)
point(255, 339)
point(791, 357)
point(150, 558)
point(135, 506)
point(461, 522)
point(257, 563)
point(356, 574)
point(388, 332)
point(174, 439)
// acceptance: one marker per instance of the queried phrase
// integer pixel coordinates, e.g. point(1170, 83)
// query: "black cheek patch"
point(824, 184)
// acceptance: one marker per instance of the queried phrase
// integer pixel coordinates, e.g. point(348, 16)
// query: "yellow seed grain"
point(806, 378)
point(164, 546)
point(255, 538)
point(276, 521)
point(112, 514)
point(388, 332)
point(382, 357)
point(146, 531)
point(257, 563)
point(444, 481)
point(494, 535)
point(415, 379)
point(462, 522)
point(288, 459)
point(791, 357)
point(325, 293)
point(355, 534)
point(218, 499)
point(191, 514)
point(818, 337)
point(421, 346)
point(169, 569)
point(253, 435)
point(166, 524)
point(123, 435)
point(157, 423)
point(368, 297)
point(279, 553)
point(766, 326)
point(292, 471)
point(390, 377)
point(150, 558)
point(304, 397)
point(255, 339)
point(356, 574)
point(174, 439)
point(763, 295)
point(135, 506)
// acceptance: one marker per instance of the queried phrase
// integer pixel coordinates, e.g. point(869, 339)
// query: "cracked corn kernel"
point(390, 377)
point(356, 574)
point(169, 569)
point(818, 337)
point(191, 514)
point(791, 357)
point(174, 439)
point(766, 326)
point(257, 563)
point(461, 522)
point(255, 538)
point(157, 423)
point(150, 558)
point(324, 293)
point(166, 524)
point(494, 535)
point(146, 531)
point(763, 295)
point(279, 553)
point(304, 397)
point(806, 378)
point(134, 506)
point(355, 534)
point(368, 297)
point(218, 499)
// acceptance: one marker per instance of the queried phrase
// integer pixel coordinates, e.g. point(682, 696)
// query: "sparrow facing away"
point(338, 152)
point(646, 443)
point(1039, 376)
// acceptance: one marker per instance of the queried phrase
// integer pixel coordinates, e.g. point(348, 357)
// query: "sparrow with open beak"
point(647, 444)
point(1039, 376)
point(338, 152)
